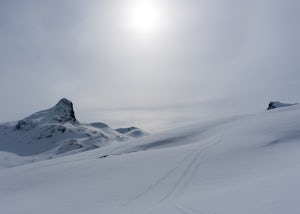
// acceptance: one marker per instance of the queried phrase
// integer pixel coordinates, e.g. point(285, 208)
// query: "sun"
point(145, 17)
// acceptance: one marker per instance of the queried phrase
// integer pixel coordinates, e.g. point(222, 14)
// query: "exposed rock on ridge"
point(276, 104)
point(65, 111)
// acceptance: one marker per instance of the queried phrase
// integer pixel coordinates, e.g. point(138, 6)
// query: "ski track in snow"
point(177, 179)
point(186, 170)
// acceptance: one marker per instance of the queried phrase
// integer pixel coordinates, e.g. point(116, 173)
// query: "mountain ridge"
point(55, 132)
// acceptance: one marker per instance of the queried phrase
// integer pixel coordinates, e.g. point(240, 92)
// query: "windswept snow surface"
point(241, 165)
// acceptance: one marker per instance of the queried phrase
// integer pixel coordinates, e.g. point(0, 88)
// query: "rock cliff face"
point(64, 111)
point(276, 104)
point(56, 131)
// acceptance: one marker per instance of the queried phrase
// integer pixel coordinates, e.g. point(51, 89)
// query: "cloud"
point(211, 58)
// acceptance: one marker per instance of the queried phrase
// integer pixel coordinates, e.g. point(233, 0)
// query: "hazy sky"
point(190, 60)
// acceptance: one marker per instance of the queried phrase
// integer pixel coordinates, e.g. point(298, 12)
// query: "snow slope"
point(245, 164)
point(53, 133)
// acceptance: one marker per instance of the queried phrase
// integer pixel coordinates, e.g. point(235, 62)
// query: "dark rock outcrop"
point(65, 112)
point(276, 104)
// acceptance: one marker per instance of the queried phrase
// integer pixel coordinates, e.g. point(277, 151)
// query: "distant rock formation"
point(56, 131)
point(62, 112)
point(276, 104)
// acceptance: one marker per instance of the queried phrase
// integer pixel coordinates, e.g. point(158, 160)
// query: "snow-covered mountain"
point(55, 132)
point(245, 164)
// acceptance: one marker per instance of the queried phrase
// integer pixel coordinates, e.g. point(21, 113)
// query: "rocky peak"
point(64, 111)
point(65, 102)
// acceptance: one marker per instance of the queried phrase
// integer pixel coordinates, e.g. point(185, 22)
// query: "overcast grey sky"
point(205, 59)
